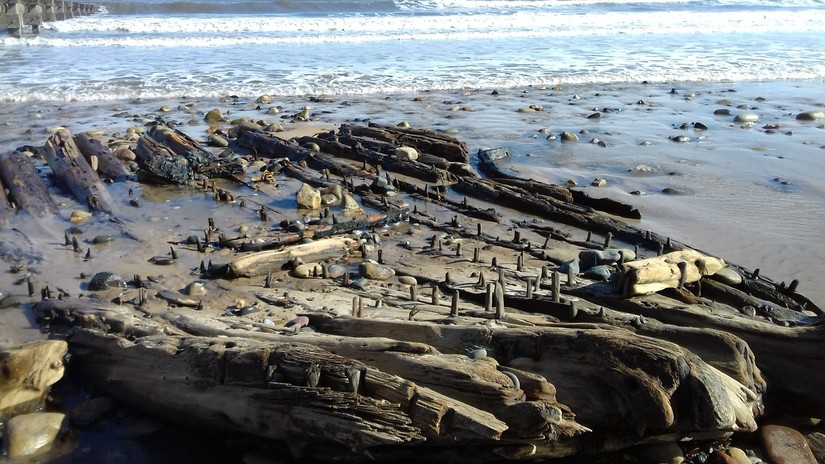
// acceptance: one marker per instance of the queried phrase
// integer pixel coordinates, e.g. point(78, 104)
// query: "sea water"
point(751, 195)
point(153, 49)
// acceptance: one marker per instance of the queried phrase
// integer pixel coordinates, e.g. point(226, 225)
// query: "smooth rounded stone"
point(403, 125)
point(478, 353)
point(30, 436)
point(103, 239)
point(595, 115)
point(275, 127)
point(360, 283)
point(810, 116)
point(672, 191)
point(746, 117)
point(195, 289)
point(375, 271)
point(381, 185)
point(125, 154)
point(569, 137)
point(680, 138)
point(572, 264)
point(273, 110)
point(217, 141)
point(307, 270)
point(330, 200)
point(722, 112)
point(333, 189)
point(738, 455)
point(91, 411)
point(659, 453)
point(598, 182)
point(79, 216)
point(407, 280)
point(265, 99)
point(336, 270)
point(213, 116)
point(308, 197)
point(728, 275)
point(601, 272)
point(165, 109)
point(106, 280)
point(406, 153)
point(590, 258)
point(785, 445)
point(243, 228)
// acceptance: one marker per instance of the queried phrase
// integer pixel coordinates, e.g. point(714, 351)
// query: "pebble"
point(722, 112)
point(569, 137)
point(195, 289)
point(217, 141)
point(265, 99)
point(785, 445)
point(308, 270)
point(125, 154)
point(478, 353)
point(598, 272)
point(406, 153)
point(407, 280)
point(360, 283)
point(746, 117)
point(810, 116)
point(349, 203)
point(375, 271)
point(103, 238)
point(336, 270)
point(598, 182)
point(680, 138)
point(79, 216)
point(30, 436)
point(672, 191)
point(728, 275)
point(572, 264)
point(106, 280)
point(213, 116)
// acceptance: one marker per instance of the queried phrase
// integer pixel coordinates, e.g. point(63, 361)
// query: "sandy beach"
point(743, 191)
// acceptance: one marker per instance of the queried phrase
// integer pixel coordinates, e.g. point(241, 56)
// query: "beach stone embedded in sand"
point(106, 280)
point(264, 99)
point(217, 141)
point(125, 154)
point(569, 137)
point(785, 445)
point(375, 271)
point(349, 203)
point(305, 271)
point(746, 117)
point(30, 436)
point(308, 197)
point(79, 216)
point(722, 112)
point(213, 116)
point(32, 368)
point(195, 289)
point(407, 280)
point(810, 116)
point(336, 270)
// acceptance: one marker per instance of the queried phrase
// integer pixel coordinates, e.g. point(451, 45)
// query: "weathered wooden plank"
point(75, 173)
point(26, 188)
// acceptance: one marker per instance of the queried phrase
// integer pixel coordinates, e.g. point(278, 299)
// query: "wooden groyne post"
point(26, 16)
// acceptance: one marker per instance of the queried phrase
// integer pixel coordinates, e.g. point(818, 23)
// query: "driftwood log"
point(99, 156)
point(26, 188)
point(75, 173)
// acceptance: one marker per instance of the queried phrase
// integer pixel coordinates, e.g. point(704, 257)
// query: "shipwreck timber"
point(451, 328)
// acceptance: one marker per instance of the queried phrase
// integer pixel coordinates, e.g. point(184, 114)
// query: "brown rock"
point(738, 455)
point(27, 373)
point(213, 116)
point(34, 436)
point(785, 445)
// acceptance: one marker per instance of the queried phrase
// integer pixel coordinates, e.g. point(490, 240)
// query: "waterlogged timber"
point(22, 16)
point(382, 300)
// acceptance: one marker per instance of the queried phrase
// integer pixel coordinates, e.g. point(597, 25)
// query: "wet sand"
point(747, 192)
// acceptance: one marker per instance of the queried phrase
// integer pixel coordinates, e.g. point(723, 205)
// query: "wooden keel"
point(26, 189)
point(75, 173)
